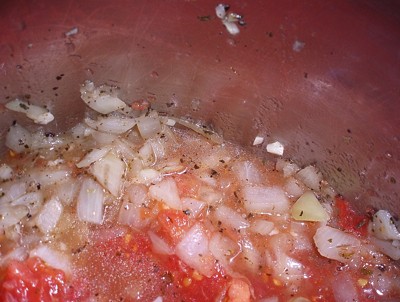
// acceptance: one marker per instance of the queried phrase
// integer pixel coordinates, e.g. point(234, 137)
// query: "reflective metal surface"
point(321, 77)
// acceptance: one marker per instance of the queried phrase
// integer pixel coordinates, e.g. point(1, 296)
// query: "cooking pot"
point(321, 77)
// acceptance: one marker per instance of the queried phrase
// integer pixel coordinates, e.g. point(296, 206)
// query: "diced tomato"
point(33, 281)
point(173, 225)
point(349, 220)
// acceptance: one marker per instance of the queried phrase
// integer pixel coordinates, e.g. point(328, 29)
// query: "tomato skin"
point(349, 220)
point(33, 281)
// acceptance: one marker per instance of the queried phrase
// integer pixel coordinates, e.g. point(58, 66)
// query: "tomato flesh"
point(349, 220)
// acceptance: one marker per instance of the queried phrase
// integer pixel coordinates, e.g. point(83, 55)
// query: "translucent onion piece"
point(109, 172)
point(111, 124)
point(214, 137)
point(99, 101)
point(220, 10)
point(159, 244)
point(92, 156)
point(131, 215)
point(193, 250)
point(344, 289)
point(275, 148)
point(383, 226)
point(308, 208)
point(223, 249)
point(10, 215)
point(231, 27)
point(49, 215)
point(38, 114)
point(149, 126)
point(192, 205)
point(265, 200)
point(52, 258)
point(148, 176)
point(262, 227)
point(287, 167)
point(311, 177)
point(18, 254)
point(293, 187)
point(6, 172)
point(388, 247)
point(230, 218)
point(288, 268)
point(32, 200)
point(66, 191)
point(166, 191)
point(247, 172)
point(12, 190)
point(90, 202)
point(335, 244)
point(18, 139)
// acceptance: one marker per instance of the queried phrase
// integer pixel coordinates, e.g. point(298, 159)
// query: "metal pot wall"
point(322, 77)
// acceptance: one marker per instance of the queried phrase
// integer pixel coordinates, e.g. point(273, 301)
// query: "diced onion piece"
point(50, 176)
point(258, 140)
point(336, 244)
point(310, 176)
point(264, 200)
point(247, 172)
point(99, 101)
point(6, 172)
point(67, 191)
point(293, 187)
point(49, 215)
point(11, 191)
point(194, 206)
point(344, 288)
point(90, 202)
point(212, 136)
point(287, 167)
point(131, 215)
point(262, 227)
point(170, 122)
point(159, 244)
point(193, 250)
point(223, 249)
point(288, 268)
point(148, 176)
point(11, 215)
point(166, 191)
point(149, 125)
point(231, 218)
point(18, 138)
point(383, 227)
point(158, 299)
point(308, 208)
point(388, 247)
point(111, 124)
point(220, 10)
point(231, 27)
point(38, 114)
point(32, 200)
point(94, 155)
point(250, 255)
point(18, 254)
point(52, 258)
point(275, 148)
point(109, 172)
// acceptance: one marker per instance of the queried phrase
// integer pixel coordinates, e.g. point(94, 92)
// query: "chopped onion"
point(231, 27)
point(92, 156)
point(193, 250)
point(311, 177)
point(90, 201)
point(100, 101)
point(66, 191)
point(6, 172)
point(388, 247)
point(230, 218)
point(18, 139)
point(49, 215)
point(287, 167)
point(158, 299)
point(247, 172)
point(212, 136)
point(220, 10)
point(149, 125)
point(50, 176)
point(10, 215)
point(148, 176)
point(308, 208)
point(250, 255)
point(159, 244)
point(192, 205)
point(18, 254)
point(109, 172)
point(12, 190)
point(32, 200)
point(103, 138)
point(166, 191)
point(147, 154)
point(264, 200)
point(383, 227)
point(275, 148)
point(258, 140)
point(38, 114)
point(111, 124)
point(288, 268)
point(53, 258)
point(262, 227)
point(293, 188)
point(223, 249)
point(335, 244)
point(131, 215)
point(344, 289)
